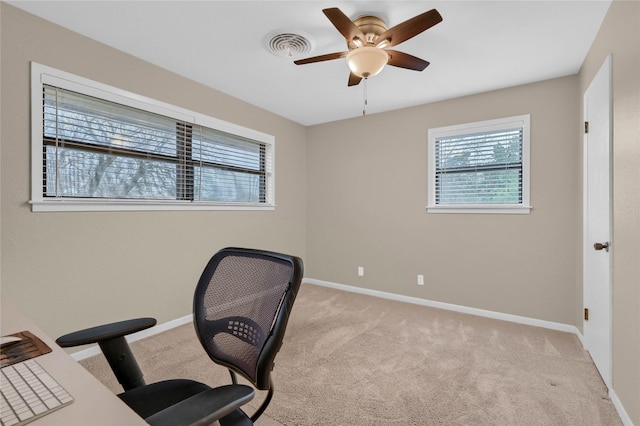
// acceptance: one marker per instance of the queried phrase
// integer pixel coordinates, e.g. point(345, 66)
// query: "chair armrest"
point(105, 332)
point(114, 346)
point(205, 407)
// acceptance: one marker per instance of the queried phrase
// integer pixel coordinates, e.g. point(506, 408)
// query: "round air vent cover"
point(288, 43)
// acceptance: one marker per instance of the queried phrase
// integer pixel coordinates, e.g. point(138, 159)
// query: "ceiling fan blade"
point(354, 80)
point(409, 28)
point(343, 24)
point(327, 57)
point(404, 60)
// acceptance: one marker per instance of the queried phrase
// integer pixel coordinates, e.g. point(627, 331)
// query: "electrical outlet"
point(420, 279)
point(360, 271)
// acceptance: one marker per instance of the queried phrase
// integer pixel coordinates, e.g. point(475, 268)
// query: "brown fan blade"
point(409, 28)
point(354, 80)
point(343, 24)
point(404, 60)
point(327, 57)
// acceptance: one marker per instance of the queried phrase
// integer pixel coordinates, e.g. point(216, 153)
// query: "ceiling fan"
point(368, 39)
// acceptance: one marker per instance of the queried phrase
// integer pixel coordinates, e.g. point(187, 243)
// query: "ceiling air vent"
point(287, 44)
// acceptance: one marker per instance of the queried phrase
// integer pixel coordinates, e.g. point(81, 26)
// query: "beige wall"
point(620, 37)
point(68, 270)
point(367, 192)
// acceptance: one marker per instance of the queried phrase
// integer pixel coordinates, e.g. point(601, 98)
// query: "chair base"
point(237, 418)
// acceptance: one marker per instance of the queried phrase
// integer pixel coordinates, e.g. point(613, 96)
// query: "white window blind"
point(228, 168)
point(94, 149)
point(480, 165)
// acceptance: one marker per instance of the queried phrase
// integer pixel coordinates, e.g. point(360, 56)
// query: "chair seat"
point(149, 399)
point(152, 402)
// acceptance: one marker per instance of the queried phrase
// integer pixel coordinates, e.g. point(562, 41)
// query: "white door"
point(597, 220)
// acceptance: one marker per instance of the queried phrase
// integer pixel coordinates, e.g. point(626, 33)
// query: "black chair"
point(240, 311)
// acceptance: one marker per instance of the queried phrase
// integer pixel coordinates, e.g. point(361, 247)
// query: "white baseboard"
point(580, 337)
point(451, 307)
point(95, 349)
point(626, 420)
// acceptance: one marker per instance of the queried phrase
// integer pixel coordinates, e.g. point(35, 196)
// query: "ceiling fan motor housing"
point(371, 27)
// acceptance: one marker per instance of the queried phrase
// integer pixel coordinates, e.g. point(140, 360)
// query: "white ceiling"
point(479, 46)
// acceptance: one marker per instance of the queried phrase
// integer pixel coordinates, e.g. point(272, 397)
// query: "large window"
point(480, 167)
point(101, 148)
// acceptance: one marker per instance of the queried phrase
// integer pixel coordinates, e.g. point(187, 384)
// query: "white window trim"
point(481, 126)
point(42, 74)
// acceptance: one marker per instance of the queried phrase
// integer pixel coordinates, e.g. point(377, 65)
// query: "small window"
point(480, 167)
point(100, 148)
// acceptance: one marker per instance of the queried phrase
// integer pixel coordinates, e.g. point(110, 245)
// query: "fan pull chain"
point(364, 101)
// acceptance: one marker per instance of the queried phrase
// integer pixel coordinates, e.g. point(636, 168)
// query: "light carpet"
point(351, 359)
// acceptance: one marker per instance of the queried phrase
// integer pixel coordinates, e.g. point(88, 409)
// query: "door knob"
point(600, 246)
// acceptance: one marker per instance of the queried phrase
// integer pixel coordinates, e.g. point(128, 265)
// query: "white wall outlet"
point(360, 271)
point(420, 279)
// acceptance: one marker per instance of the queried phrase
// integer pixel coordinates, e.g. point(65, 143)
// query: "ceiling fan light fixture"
point(367, 61)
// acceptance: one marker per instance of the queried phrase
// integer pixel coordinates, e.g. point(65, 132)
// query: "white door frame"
point(604, 359)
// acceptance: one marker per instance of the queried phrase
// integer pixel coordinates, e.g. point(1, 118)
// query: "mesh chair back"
point(241, 308)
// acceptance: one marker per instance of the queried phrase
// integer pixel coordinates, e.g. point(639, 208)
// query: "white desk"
point(94, 404)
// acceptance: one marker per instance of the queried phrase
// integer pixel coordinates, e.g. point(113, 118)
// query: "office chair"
point(240, 311)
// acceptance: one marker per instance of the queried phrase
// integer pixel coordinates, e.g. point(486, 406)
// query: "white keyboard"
point(28, 393)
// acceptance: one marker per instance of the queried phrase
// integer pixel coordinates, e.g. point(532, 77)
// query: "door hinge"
point(586, 127)
point(586, 314)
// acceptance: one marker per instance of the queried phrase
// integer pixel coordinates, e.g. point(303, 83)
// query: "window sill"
point(85, 205)
point(465, 209)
